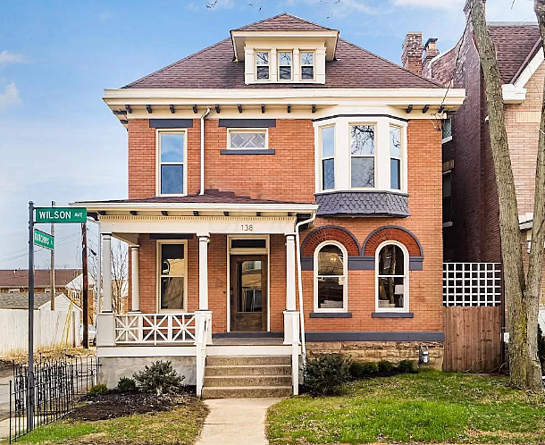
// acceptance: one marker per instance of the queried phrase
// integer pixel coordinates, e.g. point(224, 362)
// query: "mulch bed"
point(110, 406)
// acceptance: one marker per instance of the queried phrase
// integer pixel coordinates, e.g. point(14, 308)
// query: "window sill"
point(392, 314)
point(331, 315)
point(265, 151)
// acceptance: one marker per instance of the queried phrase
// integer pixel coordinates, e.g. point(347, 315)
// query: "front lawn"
point(91, 423)
point(431, 406)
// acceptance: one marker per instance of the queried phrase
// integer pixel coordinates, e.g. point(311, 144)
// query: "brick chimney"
point(430, 50)
point(411, 58)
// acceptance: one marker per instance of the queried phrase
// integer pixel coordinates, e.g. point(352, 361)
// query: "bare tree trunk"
point(522, 345)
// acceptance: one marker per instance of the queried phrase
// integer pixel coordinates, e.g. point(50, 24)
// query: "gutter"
point(300, 285)
point(206, 113)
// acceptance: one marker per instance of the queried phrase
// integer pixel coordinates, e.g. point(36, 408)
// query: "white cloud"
point(10, 97)
point(433, 4)
point(7, 58)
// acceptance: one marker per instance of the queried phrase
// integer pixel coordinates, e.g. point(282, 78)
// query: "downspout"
point(206, 113)
point(300, 284)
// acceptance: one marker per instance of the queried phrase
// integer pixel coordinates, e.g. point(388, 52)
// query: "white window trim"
point(448, 138)
point(278, 65)
point(247, 130)
point(406, 301)
point(374, 155)
point(400, 158)
point(158, 162)
point(322, 158)
point(345, 275)
point(268, 51)
point(301, 51)
point(158, 275)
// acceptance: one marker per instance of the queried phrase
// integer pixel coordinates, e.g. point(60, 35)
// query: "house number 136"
point(247, 227)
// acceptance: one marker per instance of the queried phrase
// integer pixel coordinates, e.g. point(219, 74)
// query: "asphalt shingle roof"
point(20, 300)
point(13, 278)
point(214, 67)
point(284, 22)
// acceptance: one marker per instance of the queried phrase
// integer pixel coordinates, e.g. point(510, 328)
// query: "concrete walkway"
point(236, 422)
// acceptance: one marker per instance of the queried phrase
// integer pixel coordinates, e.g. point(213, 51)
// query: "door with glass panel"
point(248, 293)
point(172, 277)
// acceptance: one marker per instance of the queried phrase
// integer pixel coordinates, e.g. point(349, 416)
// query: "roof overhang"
point(515, 92)
point(329, 37)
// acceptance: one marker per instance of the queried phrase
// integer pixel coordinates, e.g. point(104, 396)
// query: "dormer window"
point(307, 65)
point(284, 65)
point(262, 61)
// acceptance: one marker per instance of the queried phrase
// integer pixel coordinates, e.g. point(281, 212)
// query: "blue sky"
point(59, 141)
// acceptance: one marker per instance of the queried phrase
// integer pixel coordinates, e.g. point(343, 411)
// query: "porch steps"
point(247, 377)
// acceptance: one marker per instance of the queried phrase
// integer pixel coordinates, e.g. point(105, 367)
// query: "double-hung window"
point(392, 279)
point(172, 276)
point(172, 162)
point(263, 67)
point(395, 158)
point(307, 65)
point(330, 273)
point(362, 150)
point(284, 65)
point(251, 139)
point(327, 139)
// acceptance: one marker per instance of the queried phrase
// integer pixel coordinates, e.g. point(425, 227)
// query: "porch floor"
point(247, 341)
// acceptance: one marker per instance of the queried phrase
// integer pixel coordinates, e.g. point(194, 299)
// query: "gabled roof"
point(214, 67)
point(14, 278)
point(19, 300)
point(284, 22)
point(516, 44)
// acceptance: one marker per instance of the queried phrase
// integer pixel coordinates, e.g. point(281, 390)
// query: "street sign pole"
point(30, 376)
point(85, 293)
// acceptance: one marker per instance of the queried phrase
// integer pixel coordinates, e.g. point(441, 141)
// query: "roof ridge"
point(392, 63)
point(511, 24)
point(177, 61)
point(280, 15)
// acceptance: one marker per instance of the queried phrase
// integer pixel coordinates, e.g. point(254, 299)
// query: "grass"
point(180, 426)
point(428, 407)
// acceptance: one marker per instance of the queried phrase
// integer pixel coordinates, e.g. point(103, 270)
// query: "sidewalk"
point(4, 429)
point(236, 422)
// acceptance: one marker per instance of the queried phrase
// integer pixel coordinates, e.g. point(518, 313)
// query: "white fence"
point(472, 284)
point(51, 329)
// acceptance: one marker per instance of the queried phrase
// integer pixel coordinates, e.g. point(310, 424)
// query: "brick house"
point(284, 198)
point(470, 198)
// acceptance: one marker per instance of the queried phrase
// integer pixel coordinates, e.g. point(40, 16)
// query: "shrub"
point(98, 390)
point(126, 384)
point(326, 373)
point(385, 367)
point(159, 378)
point(360, 370)
point(407, 367)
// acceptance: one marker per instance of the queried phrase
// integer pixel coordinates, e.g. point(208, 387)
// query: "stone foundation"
point(111, 369)
point(374, 351)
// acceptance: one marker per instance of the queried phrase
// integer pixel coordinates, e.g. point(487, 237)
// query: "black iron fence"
point(49, 393)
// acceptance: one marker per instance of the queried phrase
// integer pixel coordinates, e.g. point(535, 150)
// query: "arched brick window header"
point(330, 233)
point(389, 233)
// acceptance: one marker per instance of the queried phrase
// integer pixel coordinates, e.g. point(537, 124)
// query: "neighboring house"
point(58, 328)
point(75, 292)
point(278, 159)
point(470, 198)
point(16, 280)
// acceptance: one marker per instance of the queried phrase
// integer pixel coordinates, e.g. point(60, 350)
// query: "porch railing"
point(155, 328)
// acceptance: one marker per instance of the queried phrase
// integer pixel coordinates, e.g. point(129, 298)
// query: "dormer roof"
point(284, 22)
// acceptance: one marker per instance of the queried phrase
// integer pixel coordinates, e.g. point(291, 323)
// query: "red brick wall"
point(289, 174)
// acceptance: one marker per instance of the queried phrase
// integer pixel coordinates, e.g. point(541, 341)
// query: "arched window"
point(392, 282)
point(330, 272)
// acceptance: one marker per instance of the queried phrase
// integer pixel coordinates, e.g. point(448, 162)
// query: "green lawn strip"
point(427, 407)
point(180, 425)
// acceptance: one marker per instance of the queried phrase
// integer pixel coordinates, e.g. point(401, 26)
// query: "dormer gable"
point(284, 49)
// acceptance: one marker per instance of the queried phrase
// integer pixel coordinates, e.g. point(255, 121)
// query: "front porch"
point(207, 279)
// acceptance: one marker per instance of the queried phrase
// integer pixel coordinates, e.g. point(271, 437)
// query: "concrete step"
point(212, 371)
point(247, 361)
point(247, 380)
point(237, 392)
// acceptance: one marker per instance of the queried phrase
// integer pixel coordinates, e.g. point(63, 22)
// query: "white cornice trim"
point(513, 94)
point(530, 69)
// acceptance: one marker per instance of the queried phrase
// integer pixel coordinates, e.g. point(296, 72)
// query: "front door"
point(248, 292)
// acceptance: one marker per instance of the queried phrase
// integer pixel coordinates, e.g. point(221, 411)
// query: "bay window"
point(395, 158)
point(362, 151)
point(327, 138)
point(172, 148)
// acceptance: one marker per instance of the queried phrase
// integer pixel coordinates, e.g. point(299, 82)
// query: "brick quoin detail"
point(320, 235)
point(392, 234)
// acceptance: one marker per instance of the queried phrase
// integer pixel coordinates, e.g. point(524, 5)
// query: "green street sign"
point(43, 239)
point(61, 214)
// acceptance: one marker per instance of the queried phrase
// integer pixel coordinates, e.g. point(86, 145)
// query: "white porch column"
point(291, 316)
point(107, 272)
point(135, 284)
point(203, 314)
point(105, 320)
